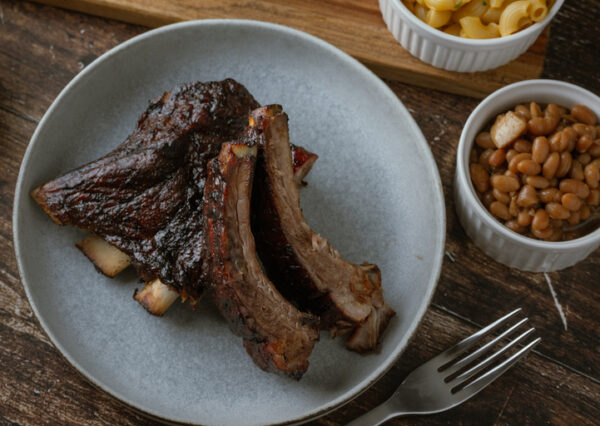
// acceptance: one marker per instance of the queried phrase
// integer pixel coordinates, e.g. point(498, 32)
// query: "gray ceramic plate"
point(374, 192)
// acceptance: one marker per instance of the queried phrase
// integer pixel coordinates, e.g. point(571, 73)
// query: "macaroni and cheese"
point(479, 18)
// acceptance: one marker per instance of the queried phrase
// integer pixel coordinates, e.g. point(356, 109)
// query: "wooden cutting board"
point(355, 26)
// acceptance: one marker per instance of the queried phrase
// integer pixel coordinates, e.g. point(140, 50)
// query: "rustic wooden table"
point(42, 48)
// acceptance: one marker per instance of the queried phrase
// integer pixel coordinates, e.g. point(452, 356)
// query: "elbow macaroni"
point(479, 18)
point(514, 17)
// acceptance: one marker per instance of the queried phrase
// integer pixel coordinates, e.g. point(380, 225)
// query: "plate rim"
point(349, 394)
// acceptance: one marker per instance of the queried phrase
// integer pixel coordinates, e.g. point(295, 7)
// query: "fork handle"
point(376, 416)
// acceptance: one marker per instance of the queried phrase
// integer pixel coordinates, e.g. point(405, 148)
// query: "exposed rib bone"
point(106, 258)
point(156, 297)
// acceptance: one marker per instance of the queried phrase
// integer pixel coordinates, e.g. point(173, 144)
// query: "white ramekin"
point(496, 240)
point(455, 53)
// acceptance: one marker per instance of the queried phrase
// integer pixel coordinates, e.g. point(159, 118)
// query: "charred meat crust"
point(277, 336)
point(305, 267)
point(145, 197)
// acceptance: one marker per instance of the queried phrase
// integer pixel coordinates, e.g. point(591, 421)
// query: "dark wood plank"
point(41, 49)
point(40, 56)
point(369, 41)
point(573, 52)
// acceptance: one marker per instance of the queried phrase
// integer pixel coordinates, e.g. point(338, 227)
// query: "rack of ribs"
point(277, 336)
point(142, 202)
point(193, 211)
point(304, 266)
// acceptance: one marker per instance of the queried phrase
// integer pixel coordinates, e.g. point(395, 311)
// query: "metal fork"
point(435, 386)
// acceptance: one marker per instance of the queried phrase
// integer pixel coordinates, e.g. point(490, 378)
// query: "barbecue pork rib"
point(145, 197)
point(277, 336)
point(304, 266)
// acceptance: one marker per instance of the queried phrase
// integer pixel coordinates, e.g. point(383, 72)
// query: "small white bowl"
point(456, 53)
point(495, 239)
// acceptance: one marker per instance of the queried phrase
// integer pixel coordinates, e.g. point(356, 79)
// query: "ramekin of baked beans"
point(528, 175)
point(537, 170)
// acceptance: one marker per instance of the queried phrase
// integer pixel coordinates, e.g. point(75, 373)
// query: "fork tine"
point(471, 372)
point(485, 348)
point(450, 354)
point(481, 382)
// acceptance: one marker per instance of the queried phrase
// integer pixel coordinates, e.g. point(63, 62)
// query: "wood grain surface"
point(42, 48)
point(355, 26)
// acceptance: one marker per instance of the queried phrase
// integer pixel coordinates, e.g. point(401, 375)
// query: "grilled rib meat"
point(278, 337)
point(305, 267)
point(145, 197)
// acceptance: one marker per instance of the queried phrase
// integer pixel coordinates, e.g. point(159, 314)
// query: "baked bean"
point(569, 136)
point(585, 212)
point(546, 124)
point(484, 158)
point(554, 141)
point(524, 218)
point(557, 211)
point(539, 182)
point(514, 226)
point(503, 197)
point(540, 149)
point(583, 129)
point(595, 149)
point(522, 145)
point(548, 178)
point(540, 221)
point(510, 155)
point(535, 110)
point(480, 177)
point(523, 111)
point(513, 207)
point(577, 187)
point(527, 196)
point(576, 171)
point(560, 141)
point(484, 140)
point(473, 156)
point(594, 198)
point(542, 234)
point(575, 218)
point(512, 166)
point(505, 183)
point(565, 164)
point(487, 199)
point(500, 210)
point(592, 175)
point(584, 114)
point(497, 158)
point(584, 143)
point(571, 201)
point(551, 165)
point(556, 235)
point(584, 158)
point(529, 167)
point(550, 195)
